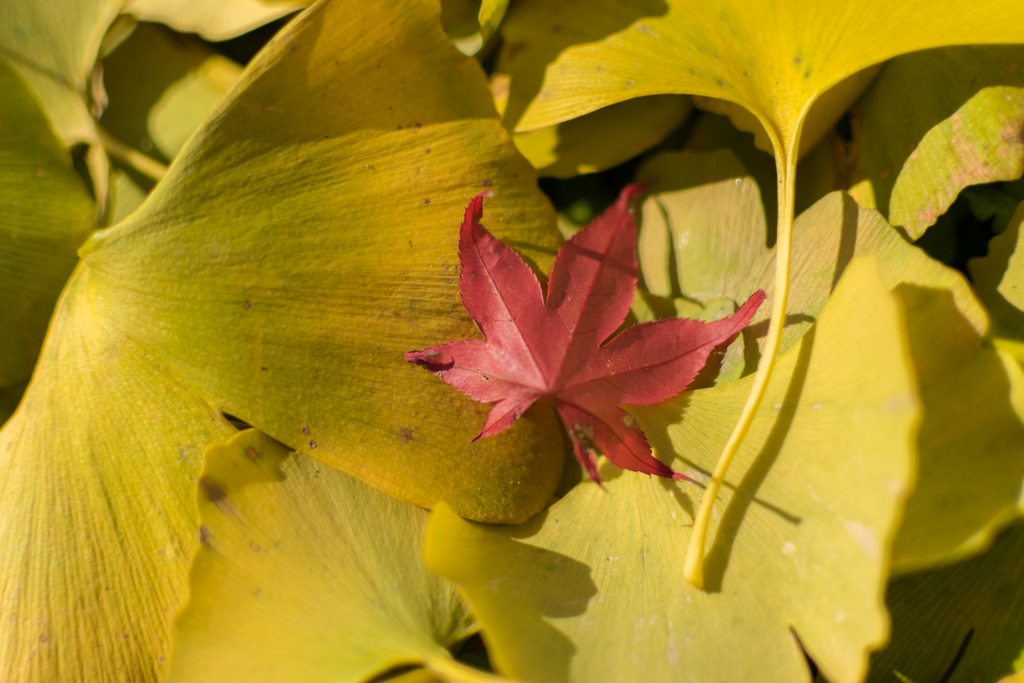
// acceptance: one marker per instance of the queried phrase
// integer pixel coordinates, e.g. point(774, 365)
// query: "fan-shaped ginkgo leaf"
point(301, 242)
point(774, 59)
point(973, 394)
point(306, 574)
point(318, 297)
point(97, 512)
point(802, 536)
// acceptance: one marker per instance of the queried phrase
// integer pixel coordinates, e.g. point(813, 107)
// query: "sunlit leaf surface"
point(973, 395)
point(934, 123)
point(966, 620)
point(591, 589)
point(598, 140)
point(301, 243)
point(604, 138)
point(47, 213)
point(306, 574)
point(774, 59)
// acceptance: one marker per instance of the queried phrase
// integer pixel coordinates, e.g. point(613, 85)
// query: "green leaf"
point(278, 273)
point(56, 38)
point(47, 213)
point(999, 279)
point(161, 88)
point(53, 45)
point(934, 123)
point(212, 20)
point(967, 619)
point(305, 573)
point(591, 589)
point(701, 204)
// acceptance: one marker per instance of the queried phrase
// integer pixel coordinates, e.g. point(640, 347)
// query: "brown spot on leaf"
point(405, 434)
point(214, 492)
point(204, 535)
point(247, 305)
point(305, 429)
point(312, 444)
point(253, 455)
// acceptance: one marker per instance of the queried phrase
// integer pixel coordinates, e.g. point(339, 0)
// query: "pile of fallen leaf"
point(782, 230)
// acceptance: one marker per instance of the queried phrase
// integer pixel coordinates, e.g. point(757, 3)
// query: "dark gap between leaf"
point(810, 662)
point(959, 655)
point(243, 48)
point(235, 422)
point(957, 236)
point(474, 653)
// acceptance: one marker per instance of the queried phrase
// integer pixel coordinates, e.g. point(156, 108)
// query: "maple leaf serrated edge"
point(507, 370)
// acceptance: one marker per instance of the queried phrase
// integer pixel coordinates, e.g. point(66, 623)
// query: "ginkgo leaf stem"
point(147, 166)
point(693, 565)
point(452, 670)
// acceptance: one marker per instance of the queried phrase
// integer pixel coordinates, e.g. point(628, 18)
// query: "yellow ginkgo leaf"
point(973, 394)
point(306, 574)
point(301, 243)
point(590, 589)
point(774, 59)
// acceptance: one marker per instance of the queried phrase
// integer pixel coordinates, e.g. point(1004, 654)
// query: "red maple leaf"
point(536, 348)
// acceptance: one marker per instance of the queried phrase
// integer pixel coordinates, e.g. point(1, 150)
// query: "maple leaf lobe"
point(553, 347)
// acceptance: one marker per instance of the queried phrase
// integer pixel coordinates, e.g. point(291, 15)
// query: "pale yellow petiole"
point(145, 165)
point(693, 566)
